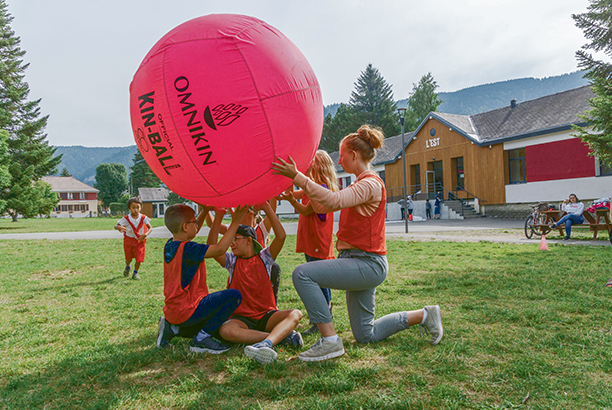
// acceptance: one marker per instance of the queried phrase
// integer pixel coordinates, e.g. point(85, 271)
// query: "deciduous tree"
point(111, 180)
point(422, 101)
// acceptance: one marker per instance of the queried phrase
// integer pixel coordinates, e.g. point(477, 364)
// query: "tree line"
point(372, 103)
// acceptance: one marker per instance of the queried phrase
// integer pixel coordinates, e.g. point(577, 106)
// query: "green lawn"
point(62, 224)
point(520, 325)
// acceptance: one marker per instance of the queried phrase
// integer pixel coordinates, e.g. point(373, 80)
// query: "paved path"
point(468, 230)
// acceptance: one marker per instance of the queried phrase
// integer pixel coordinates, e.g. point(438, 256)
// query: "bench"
point(599, 222)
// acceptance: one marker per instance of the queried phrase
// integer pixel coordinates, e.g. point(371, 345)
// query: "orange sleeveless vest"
point(314, 237)
point(251, 278)
point(365, 232)
point(181, 303)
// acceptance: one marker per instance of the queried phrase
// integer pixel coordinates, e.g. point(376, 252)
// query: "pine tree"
point(29, 154)
point(597, 26)
point(141, 175)
point(372, 101)
point(422, 101)
point(65, 173)
point(5, 175)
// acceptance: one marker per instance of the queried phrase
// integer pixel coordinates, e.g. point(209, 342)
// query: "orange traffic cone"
point(543, 244)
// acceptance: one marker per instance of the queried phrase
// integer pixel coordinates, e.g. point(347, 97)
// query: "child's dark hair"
point(176, 215)
point(134, 200)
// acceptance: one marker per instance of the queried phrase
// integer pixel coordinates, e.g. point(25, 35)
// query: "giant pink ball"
point(216, 100)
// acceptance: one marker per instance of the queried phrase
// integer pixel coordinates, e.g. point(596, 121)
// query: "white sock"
point(332, 339)
point(424, 316)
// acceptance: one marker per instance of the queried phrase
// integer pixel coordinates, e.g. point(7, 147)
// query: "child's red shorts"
point(134, 249)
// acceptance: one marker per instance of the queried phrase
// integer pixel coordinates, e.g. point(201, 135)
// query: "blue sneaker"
point(207, 345)
point(261, 352)
point(165, 334)
point(294, 339)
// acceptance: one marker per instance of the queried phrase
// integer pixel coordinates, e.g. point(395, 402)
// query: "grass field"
point(524, 329)
point(63, 224)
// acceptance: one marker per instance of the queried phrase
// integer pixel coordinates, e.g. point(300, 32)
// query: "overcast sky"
point(83, 54)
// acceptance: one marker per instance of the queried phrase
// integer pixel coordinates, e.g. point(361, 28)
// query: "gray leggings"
point(358, 272)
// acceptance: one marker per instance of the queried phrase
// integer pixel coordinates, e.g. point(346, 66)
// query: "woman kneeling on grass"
point(362, 263)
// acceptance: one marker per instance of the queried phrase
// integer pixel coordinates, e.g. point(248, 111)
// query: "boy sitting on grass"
point(257, 321)
point(189, 310)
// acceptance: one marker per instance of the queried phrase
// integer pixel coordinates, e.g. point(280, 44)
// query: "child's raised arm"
point(279, 232)
point(203, 215)
point(217, 250)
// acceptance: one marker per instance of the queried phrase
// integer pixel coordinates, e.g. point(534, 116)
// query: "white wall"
point(584, 188)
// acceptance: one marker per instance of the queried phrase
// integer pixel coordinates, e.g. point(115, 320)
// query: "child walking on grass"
point(189, 310)
point(135, 228)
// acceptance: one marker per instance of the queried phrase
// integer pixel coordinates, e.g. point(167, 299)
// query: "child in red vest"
point(262, 227)
point(189, 310)
point(257, 321)
point(135, 228)
point(315, 235)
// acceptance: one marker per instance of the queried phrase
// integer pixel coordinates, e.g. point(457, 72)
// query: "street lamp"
point(402, 116)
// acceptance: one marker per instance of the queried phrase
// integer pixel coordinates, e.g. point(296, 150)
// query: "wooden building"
point(154, 201)
point(521, 153)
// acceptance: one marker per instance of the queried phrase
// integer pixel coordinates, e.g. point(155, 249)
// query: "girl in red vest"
point(362, 263)
point(135, 228)
point(315, 235)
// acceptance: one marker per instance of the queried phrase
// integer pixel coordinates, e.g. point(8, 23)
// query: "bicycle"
point(537, 220)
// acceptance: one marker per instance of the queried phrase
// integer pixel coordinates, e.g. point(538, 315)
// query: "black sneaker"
point(164, 335)
point(314, 329)
point(208, 345)
point(294, 339)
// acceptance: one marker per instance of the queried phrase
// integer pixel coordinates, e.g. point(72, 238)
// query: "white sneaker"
point(323, 350)
point(433, 324)
point(263, 354)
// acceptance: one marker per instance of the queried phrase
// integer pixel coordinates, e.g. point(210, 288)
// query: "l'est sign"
point(432, 142)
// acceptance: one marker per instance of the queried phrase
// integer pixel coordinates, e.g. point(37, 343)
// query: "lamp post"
point(402, 116)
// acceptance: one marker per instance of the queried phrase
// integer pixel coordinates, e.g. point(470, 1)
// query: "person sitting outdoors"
point(257, 321)
point(574, 209)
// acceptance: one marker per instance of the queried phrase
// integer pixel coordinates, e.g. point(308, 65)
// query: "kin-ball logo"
point(223, 115)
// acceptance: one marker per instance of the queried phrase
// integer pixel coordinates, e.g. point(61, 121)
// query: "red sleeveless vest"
point(136, 229)
point(181, 303)
point(365, 232)
point(314, 237)
point(251, 279)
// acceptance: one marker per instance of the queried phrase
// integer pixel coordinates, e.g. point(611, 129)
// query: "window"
point(605, 169)
point(415, 177)
point(459, 174)
point(347, 181)
point(381, 174)
point(70, 195)
point(516, 163)
point(82, 195)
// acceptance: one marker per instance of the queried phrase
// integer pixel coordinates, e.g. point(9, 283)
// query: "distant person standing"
point(437, 206)
point(427, 209)
point(410, 207)
point(402, 205)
